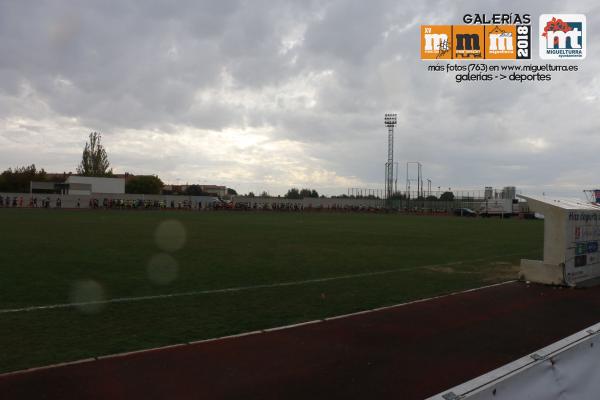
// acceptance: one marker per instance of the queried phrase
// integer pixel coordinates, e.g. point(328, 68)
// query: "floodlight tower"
point(390, 121)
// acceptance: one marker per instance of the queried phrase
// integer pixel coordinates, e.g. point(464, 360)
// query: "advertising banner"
point(583, 235)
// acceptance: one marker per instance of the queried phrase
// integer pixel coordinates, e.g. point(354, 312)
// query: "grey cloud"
point(319, 74)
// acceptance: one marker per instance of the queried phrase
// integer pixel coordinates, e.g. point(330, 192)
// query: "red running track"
point(406, 352)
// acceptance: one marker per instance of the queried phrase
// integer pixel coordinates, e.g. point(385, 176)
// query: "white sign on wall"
point(571, 242)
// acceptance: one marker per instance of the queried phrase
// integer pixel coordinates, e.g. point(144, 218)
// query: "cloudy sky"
point(264, 95)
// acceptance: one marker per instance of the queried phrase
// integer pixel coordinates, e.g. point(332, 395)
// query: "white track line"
point(269, 330)
point(236, 289)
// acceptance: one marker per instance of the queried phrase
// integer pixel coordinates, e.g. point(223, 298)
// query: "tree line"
point(17, 180)
point(293, 193)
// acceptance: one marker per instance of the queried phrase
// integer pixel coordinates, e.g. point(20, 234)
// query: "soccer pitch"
point(144, 279)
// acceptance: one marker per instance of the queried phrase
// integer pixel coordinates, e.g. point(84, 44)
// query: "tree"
point(251, 194)
point(231, 192)
point(147, 184)
point(17, 180)
point(447, 196)
point(293, 193)
point(308, 193)
point(94, 161)
point(264, 194)
point(195, 190)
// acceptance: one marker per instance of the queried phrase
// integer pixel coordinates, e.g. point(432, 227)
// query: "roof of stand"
point(563, 203)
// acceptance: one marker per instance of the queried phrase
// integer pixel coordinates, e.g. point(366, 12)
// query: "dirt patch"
point(501, 271)
point(496, 271)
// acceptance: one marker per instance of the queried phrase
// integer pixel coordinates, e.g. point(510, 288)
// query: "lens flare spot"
point(162, 269)
point(88, 296)
point(170, 235)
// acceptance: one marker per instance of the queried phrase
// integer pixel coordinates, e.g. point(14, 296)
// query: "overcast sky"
point(264, 95)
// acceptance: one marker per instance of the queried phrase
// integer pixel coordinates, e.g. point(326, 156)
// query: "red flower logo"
point(556, 25)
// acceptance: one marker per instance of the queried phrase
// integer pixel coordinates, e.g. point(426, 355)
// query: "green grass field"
point(51, 256)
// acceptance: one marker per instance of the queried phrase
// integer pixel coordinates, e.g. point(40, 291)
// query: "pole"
point(390, 122)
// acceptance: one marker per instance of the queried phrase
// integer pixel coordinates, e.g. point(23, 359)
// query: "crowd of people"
point(18, 201)
point(142, 204)
point(310, 207)
point(183, 204)
point(96, 203)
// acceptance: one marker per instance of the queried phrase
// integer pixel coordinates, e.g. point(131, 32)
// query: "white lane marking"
point(236, 289)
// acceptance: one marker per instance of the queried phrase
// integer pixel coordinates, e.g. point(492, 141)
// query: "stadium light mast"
point(390, 121)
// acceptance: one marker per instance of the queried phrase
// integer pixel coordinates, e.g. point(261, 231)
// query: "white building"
point(96, 185)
